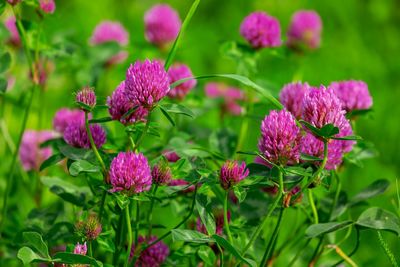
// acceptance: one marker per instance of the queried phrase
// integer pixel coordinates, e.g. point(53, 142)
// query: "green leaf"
point(82, 166)
point(178, 109)
point(207, 255)
point(54, 159)
point(228, 246)
point(376, 188)
point(5, 62)
point(75, 153)
point(240, 193)
point(67, 191)
point(205, 215)
point(27, 255)
point(122, 200)
point(3, 86)
point(165, 113)
point(324, 228)
point(35, 241)
point(190, 236)
point(379, 219)
point(84, 106)
point(129, 112)
point(328, 131)
point(71, 258)
point(306, 157)
point(185, 23)
point(100, 120)
point(349, 137)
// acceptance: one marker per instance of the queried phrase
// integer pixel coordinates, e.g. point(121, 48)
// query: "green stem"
point(221, 256)
point(129, 229)
point(322, 166)
point(354, 249)
point(387, 250)
point(10, 176)
point(103, 200)
point(137, 222)
point(299, 253)
point(143, 134)
point(131, 141)
point(118, 238)
point(226, 222)
point(337, 194)
point(269, 251)
point(93, 145)
point(270, 211)
point(312, 204)
point(150, 214)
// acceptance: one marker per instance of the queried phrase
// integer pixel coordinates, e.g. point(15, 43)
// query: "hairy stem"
point(387, 250)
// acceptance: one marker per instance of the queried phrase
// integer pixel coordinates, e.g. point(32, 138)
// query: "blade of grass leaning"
point(185, 23)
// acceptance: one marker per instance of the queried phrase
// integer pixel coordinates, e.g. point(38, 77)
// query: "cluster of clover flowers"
point(313, 122)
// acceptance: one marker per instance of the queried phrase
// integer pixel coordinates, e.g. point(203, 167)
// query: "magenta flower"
point(14, 38)
point(162, 24)
point(313, 146)
point(280, 138)
point(261, 30)
point(231, 96)
point(219, 223)
point(118, 105)
point(292, 95)
point(146, 83)
point(305, 30)
point(47, 6)
point(109, 31)
point(353, 94)
point(86, 96)
point(171, 156)
point(232, 173)
point(161, 173)
point(80, 249)
point(153, 256)
point(321, 107)
point(65, 116)
point(176, 73)
point(75, 135)
point(30, 153)
point(130, 172)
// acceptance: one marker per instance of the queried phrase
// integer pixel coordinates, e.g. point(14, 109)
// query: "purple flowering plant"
point(168, 166)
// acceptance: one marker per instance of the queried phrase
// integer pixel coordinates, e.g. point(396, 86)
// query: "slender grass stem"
point(150, 214)
point(129, 229)
point(387, 250)
point(313, 207)
point(137, 222)
point(93, 145)
point(344, 256)
point(265, 219)
point(226, 222)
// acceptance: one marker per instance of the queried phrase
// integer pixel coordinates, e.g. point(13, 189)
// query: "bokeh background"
point(360, 40)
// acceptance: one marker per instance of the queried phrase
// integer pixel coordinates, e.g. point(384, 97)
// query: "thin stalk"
point(90, 248)
point(344, 256)
point(150, 214)
point(103, 200)
point(312, 204)
point(354, 249)
point(129, 229)
point(221, 256)
point(316, 253)
point(299, 253)
point(269, 251)
point(321, 167)
point(387, 250)
point(143, 134)
point(137, 222)
point(10, 175)
point(118, 238)
point(132, 143)
point(226, 222)
point(93, 145)
point(264, 221)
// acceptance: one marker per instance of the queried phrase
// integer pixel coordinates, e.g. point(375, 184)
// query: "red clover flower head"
point(130, 172)
point(292, 95)
point(232, 173)
point(353, 94)
point(146, 83)
point(86, 96)
point(47, 6)
point(178, 72)
point(280, 138)
point(30, 153)
point(75, 135)
point(171, 156)
point(305, 30)
point(109, 31)
point(321, 106)
point(153, 256)
point(80, 249)
point(161, 173)
point(162, 24)
point(261, 30)
point(65, 116)
point(10, 25)
point(118, 105)
point(89, 228)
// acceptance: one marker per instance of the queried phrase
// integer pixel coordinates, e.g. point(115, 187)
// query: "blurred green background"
point(360, 40)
